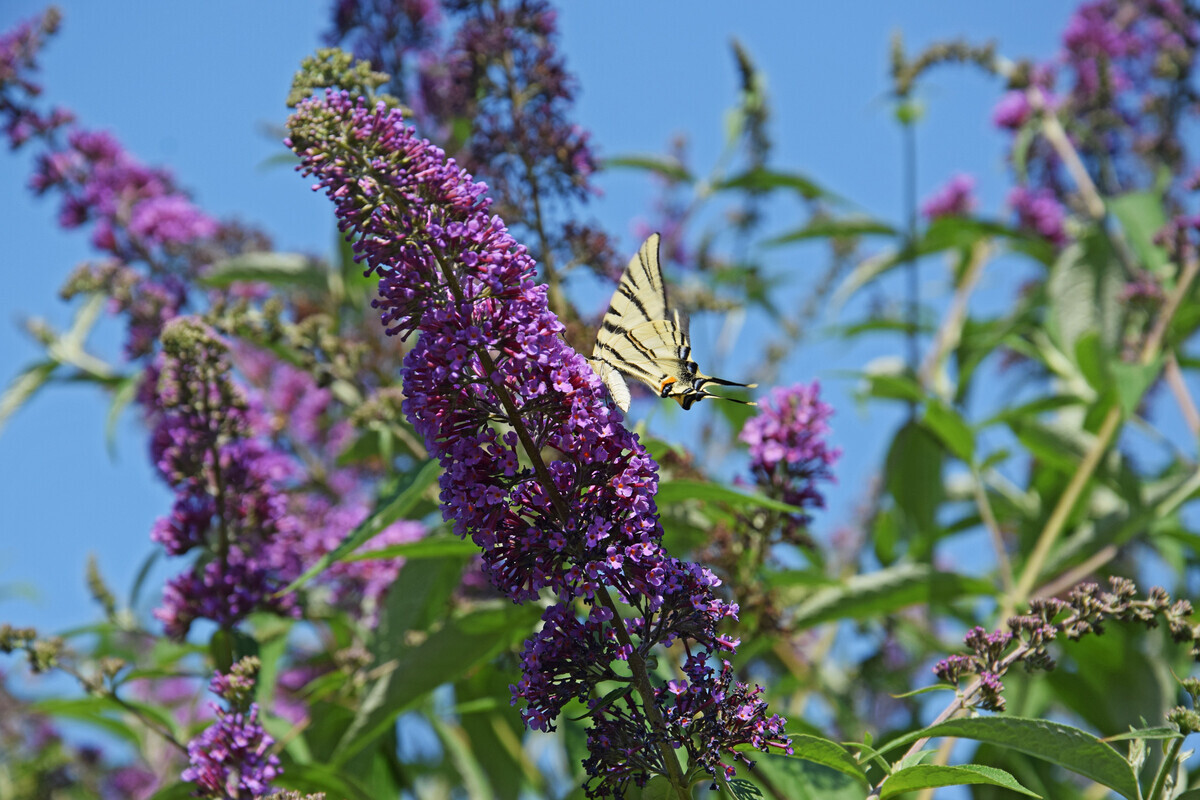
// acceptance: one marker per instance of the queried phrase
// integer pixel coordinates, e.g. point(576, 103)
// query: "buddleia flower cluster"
point(18, 58)
point(497, 65)
point(789, 453)
point(154, 244)
point(1122, 88)
point(230, 500)
point(232, 758)
point(537, 468)
point(1087, 610)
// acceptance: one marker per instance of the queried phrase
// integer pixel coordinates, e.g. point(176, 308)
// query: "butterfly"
point(644, 338)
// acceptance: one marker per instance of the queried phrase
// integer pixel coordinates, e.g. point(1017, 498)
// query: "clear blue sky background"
point(196, 87)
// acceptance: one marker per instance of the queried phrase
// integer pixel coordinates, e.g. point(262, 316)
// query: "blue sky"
point(199, 88)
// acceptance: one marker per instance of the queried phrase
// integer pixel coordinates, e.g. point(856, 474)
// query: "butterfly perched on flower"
point(643, 337)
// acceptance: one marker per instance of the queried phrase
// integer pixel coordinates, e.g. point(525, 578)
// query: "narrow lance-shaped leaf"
point(929, 776)
point(395, 508)
point(1068, 747)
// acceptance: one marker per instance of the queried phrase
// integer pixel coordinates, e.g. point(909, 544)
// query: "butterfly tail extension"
point(702, 379)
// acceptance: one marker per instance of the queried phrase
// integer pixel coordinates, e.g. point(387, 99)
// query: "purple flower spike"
point(537, 468)
point(232, 758)
point(788, 450)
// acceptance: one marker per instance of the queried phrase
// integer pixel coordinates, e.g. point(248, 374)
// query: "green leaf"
point(834, 228)
point(884, 592)
point(1033, 408)
point(684, 489)
point(1083, 292)
point(828, 753)
point(666, 166)
point(414, 671)
point(658, 788)
point(800, 779)
point(929, 776)
point(1069, 748)
point(23, 387)
point(125, 392)
point(94, 711)
point(1141, 215)
point(914, 475)
point(946, 233)
point(429, 547)
point(1054, 445)
point(763, 179)
point(277, 269)
point(313, 777)
point(384, 515)
point(143, 573)
point(175, 791)
point(1093, 362)
point(893, 386)
point(1155, 734)
point(1132, 380)
point(949, 426)
point(866, 271)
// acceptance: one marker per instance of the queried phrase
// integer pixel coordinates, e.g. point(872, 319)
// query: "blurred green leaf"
point(685, 489)
point(1142, 216)
point(24, 386)
point(277, 269)
point(412, 672)
point(430, 547)
point(800, 779)
point(387, 512)
point(175, 791)
point(1094, 364)
point(893, 387)
point(666, 166)
point(945, 233)
point(1131, 382)
point(123, 395)
point(495, 732)
point(886, 591)
point(949, 426)
point(1082, 293)
point(929, 776)
point(763, 179)
point(1032, 409)
point(1060, 446)
point(313, 777)
point(834, 228)
point(99, 712)
point(914, 475)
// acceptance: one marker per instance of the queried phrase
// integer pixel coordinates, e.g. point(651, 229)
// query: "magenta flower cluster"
point(230, 500)
point(18, 57)
point(1118, 87)
point(1039, 212)
point(495, 391)
point(789, 452)
point(232, 757)
point(955, 199)
point(498, 65)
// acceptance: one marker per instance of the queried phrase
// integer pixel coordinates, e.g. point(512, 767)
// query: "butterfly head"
point(689, 390)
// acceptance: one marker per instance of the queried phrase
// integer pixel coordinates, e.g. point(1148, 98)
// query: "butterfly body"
point(642, 337)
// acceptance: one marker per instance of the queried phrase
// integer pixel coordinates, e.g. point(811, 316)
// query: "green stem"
point(1160, 780)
